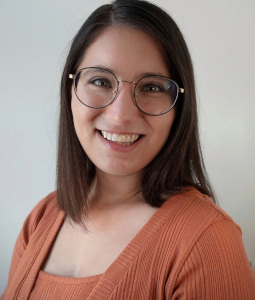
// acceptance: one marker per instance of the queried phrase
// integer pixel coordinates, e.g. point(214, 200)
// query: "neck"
point(112, 192)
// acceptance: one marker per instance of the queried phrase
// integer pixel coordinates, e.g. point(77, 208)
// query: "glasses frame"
point(74, 76)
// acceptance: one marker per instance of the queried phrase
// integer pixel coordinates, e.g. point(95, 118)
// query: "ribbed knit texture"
point(189, 249)
point(48, 286)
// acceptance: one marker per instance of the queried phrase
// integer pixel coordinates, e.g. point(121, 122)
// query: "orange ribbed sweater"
point(189, 249)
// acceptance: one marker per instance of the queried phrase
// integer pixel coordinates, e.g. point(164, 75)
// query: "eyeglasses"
point(154, 95)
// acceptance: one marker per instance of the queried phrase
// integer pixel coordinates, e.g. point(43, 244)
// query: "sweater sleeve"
point(217, 267)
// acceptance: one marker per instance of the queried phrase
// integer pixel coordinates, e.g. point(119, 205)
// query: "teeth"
point(115, 137)
point(120, 138)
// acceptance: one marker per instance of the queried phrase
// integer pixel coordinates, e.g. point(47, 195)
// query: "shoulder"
point(195, 208)
point(45, 212)
point(207, 248)
point(33, 233)
point(191, 214)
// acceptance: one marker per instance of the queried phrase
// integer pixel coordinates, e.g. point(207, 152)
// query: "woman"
point(131, 217)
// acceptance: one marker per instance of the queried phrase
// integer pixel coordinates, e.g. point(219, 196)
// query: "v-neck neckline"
point(126, 256)
point(114, 272)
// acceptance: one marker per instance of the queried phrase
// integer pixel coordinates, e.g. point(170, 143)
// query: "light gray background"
point(34, 38)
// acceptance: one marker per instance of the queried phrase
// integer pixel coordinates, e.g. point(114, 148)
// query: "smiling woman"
point(133, 216)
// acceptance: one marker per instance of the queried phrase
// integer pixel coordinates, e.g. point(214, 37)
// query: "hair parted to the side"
point(179, 163)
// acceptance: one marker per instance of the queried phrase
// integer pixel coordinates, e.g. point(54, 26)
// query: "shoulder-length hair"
point(179, 164)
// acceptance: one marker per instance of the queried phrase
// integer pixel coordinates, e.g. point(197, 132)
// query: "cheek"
point(163, 124)
point(160, 129)
point(77, 116)
point(81, 119)
point(83, 116)
point(84, 119)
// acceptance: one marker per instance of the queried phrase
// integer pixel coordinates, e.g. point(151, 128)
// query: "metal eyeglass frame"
point(179, 90)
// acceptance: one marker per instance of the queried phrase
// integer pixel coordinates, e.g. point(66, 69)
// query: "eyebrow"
point(140, 75)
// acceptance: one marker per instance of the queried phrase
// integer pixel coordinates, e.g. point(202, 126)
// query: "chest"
point(80, 253)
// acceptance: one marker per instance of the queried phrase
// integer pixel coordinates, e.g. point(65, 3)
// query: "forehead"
point(126, 51)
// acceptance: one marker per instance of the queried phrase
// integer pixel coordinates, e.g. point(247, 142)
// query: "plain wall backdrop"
point(34, 39)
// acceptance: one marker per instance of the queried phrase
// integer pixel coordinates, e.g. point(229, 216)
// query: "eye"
point(101, 82)
point(152, 88)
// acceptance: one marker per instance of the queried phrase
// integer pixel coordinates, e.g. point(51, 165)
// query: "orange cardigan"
point(189, 249)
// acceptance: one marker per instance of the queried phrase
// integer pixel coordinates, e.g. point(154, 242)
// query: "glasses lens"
point(156, 95)
point(95, 87)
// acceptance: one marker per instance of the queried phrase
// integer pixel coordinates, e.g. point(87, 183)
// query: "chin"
point(118, 170)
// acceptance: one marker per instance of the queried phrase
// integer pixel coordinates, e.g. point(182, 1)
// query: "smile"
point(124, 139)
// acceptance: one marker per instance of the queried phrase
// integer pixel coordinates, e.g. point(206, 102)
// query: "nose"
point(123, 109)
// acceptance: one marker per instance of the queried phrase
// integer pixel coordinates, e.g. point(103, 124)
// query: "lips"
point(125, 139)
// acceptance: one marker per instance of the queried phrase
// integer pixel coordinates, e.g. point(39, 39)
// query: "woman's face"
point(130, 54)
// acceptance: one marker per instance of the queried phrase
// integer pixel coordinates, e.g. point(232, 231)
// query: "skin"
point(119, 210)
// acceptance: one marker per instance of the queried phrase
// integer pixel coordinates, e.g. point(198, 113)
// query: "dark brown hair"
point(179, 163)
